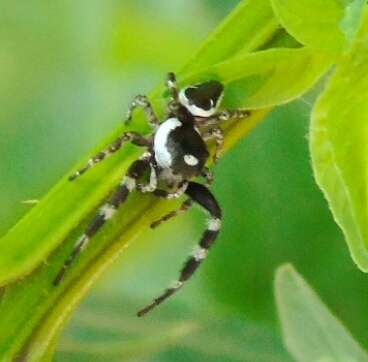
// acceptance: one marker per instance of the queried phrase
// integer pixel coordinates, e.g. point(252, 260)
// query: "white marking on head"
point(199, 253)
point(190, 160)
point(162, 155)
point(108, 211)
point(214, 224)
point(193, 109)
point(129, 182)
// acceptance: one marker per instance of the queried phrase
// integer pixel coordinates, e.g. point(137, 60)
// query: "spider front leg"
point(222, 116)
point(207, 175)
point(229, 114)
point(173, 104)
point(216, 134)
point(172, 86)
point(202, 196)
point(143, 102)
point(107, 211)
point(133, 137)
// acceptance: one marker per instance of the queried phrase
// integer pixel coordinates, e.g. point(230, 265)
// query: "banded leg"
point(169, 196)
point(152, 184)
point(201, 195)
point(233, 114)
point(106, 212)
point(185, 206)
point(143, 101)
point(172, 195)
point(208, 176)
point(172, 86)
point(133, 137)
point(216, 134)
point(226, 115)
point(173, 104)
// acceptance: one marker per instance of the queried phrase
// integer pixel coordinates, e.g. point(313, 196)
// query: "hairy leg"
point(222, 116)
point(143, 102)
point(216, 134)
point(202, 196)
point(185, 206)
point(106, 212)
point(134, 137)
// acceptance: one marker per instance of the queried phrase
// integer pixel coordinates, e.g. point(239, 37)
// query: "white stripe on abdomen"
point(162, 155)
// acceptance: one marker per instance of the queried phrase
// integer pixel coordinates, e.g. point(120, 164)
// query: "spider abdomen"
point(179, 147)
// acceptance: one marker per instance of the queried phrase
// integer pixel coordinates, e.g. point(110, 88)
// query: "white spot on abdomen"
point(190, 160)
point(162, 155)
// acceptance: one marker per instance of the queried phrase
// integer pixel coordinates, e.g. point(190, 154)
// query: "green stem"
point(32, 310)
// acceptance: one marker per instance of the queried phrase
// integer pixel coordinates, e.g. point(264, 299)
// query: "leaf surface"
point(338, 144)
point(311, 332)
point(329, 25)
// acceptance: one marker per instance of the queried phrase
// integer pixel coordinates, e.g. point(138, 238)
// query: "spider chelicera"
point(176, 153)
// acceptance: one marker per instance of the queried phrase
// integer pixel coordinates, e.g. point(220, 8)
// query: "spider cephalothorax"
point(202, 99)
point(176, 152)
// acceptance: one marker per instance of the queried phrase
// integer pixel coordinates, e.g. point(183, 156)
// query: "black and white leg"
point(185, 206)
point(207, 175)
point(229, 114)
point(107, 211)
point(173, 104)
point(216, 134)
point(172, 195)
point(143, 102)
point(222, 116)
point(201, 195)
point(169, 196)
point(172, 86)
point(134, 137)
point(152, 184)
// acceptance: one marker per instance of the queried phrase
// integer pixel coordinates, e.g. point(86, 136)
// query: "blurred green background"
point(67, 73)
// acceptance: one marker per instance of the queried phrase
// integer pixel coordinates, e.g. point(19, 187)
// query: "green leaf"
point(97, 336)
point(267, 78)
point(338, 144)
point(31, 239)
point(311, 332)
point(249, 27)
point(323, 24)
point(32, 310)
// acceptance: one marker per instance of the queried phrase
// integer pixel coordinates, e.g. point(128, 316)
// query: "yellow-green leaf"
point(266, 78)
point(311, 332)
point(323, 24)
point(338, 144)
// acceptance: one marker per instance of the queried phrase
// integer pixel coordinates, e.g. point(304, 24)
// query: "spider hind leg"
point(202, 196)
point(107, 211)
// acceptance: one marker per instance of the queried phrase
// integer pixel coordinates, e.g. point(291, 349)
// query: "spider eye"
point(202, 99)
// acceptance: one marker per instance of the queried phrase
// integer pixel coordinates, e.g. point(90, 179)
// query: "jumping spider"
point(176, 152)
